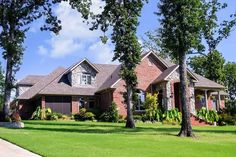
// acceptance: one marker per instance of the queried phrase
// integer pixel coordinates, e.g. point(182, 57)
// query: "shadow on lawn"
point(110, 128)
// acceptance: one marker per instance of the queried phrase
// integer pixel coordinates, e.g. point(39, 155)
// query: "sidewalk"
point(8, 149)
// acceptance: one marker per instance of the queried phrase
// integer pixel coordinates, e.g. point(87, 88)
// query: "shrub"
point(41, 114)
point(96, 111)
point(172, 116)
point(59, 115)
point(89, 116)
point(111, 115)
point(208, 115)
point(83, 115)
point(150, 106)
point(51, 116)
point(137, 117)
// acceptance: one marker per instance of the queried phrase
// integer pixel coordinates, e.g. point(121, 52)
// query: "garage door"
point(60, 104)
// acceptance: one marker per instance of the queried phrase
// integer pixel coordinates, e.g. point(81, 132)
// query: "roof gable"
point(79, 63)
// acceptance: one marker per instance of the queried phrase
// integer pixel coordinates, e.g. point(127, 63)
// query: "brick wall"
point(147, 71)
point(74, 104)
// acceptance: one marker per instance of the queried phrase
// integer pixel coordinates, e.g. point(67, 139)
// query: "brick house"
point(89, 85)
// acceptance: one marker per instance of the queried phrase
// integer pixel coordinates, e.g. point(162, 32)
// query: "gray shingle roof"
point(56, 83)
point(206, 83)
point(106, 76)
point(30, 80)
point(35, 89)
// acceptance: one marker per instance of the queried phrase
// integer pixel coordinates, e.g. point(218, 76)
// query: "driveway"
point(10, 150)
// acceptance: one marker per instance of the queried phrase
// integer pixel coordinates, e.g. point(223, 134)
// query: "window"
point(86, 79)
point(140, 102)
point(81, 103)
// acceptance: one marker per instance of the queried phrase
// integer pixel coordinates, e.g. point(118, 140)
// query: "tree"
point(180, 35)
point(211, 66)
point(197, 63)
point(15, 17)
point(2, 83)
point(230, 79)
point(122, 16)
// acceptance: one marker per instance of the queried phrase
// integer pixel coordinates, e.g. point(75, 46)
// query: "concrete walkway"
point(8, 149)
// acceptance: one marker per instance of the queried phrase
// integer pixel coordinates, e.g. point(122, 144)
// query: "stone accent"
point(192, 99)
point(174, 77)
point(168, 96)
point(16, 125)
point(75, 75)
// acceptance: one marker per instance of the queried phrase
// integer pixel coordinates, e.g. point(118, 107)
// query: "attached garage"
point(60, 104)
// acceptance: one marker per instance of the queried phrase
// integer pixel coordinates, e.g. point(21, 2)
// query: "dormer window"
point(86, 79)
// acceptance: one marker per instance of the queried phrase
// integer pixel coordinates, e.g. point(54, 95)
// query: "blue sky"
point(45, 51)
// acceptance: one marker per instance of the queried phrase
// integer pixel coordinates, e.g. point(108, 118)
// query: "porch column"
point(219, 101)
point(206, 99)
point(43, 104)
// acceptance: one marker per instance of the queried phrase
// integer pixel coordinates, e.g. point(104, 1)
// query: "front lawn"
point(93, 139)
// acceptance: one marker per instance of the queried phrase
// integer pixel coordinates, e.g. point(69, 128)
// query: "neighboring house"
point(89, 85)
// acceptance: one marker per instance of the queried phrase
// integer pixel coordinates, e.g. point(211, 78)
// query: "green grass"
point(91, 139)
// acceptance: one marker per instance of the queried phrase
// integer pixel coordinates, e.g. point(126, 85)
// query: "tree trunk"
point(186, 128)
point(8, 87)
point(130, 121)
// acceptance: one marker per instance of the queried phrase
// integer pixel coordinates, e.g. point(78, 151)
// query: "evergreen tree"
point(122, 16)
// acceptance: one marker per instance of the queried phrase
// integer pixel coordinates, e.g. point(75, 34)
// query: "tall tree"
point(213, 32)
point(180, 35)
point(122, 16)
point(15, 17)
point(2, 84)
point(211, 66)
point(230, 78)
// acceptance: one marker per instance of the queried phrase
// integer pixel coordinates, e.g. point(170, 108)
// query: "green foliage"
point(150, 106)
point(111, 115)
point(214, 67)
point(2, 85)
point(89, 116)
point(230, 78)
point(228, 114)
point(197, 64)
point(208, 115)
point(228, 119)
point(84, 115)
point(172, 115)
point(41, 114)
point(122, 17)
point(137, 117)
point(180, 34)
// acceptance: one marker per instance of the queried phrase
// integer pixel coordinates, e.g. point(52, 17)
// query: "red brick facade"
point(74, 104)
point(147, 71)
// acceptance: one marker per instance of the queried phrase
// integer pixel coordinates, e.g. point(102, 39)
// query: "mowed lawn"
point(95, 139)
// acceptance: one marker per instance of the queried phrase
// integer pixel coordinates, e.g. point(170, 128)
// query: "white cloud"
point(75, 36)
point(102, 53)
point(42, 50)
